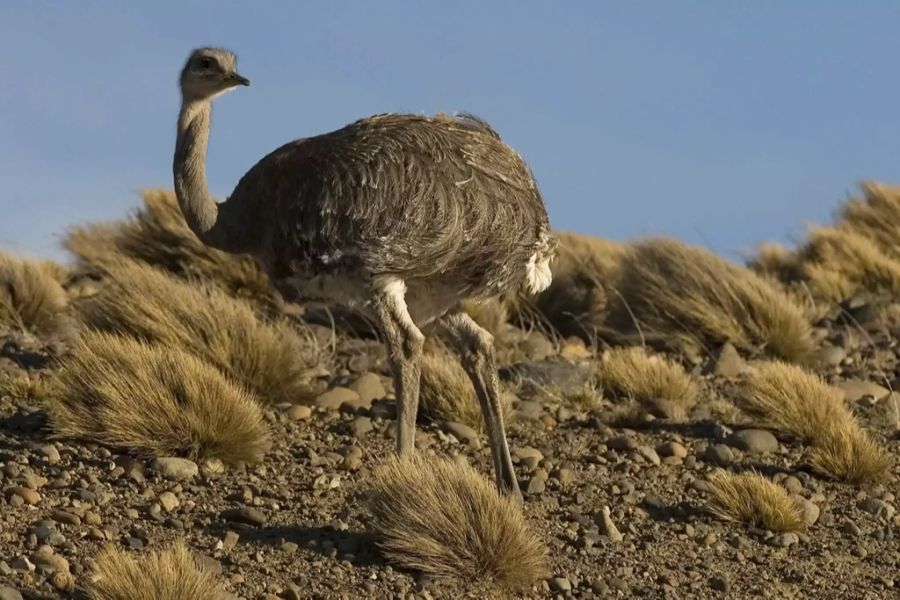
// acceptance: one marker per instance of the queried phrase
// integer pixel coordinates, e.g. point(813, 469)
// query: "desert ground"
point(683, 426)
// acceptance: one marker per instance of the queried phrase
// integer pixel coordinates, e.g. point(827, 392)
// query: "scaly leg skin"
point(476, 348)
point(404, 349)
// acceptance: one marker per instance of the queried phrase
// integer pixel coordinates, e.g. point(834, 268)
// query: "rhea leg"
point(476, 349)
point(404, 350)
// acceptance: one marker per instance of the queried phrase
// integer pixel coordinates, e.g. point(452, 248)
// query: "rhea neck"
point(203, 215)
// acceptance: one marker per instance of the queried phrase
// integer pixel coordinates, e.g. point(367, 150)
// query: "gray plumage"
point(401, 216)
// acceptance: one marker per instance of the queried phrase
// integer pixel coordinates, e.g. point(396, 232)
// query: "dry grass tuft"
point(31, 296)
point(583, 273)
point(682, 297)
point(491, 314)
point(633, 373)
point(441, 517)
point(796, 401)
point(446, 392)
point(153, 399)
point(875, 216)
point(267, 357)
point(754, 499)
point(173, 574)
point(158, 235)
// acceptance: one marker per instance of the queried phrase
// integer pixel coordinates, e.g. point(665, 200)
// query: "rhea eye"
point(206, 63)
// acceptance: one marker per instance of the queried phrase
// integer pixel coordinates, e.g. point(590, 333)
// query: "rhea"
point(398, 216)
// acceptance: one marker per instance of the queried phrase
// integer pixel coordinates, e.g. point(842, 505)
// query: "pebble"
point(672, 449)
point(62, 516)
point(245, 514)
point(877, 507)
point(27, 495)
point(168, 501)
point(719, 454)
point(650, 454)
point(621, 443)
point(361, 426)
point(792, 484)
point(662, 408)
point(608, 528)
point(756, 441)
point(8, 593)
point(720, 584)
point(856, 389)
point(333, 398)
point(51, 453)
point(461, 431)
point(728, 363)
point(810, 510)
point(180, 469)
point(784, 540)
point(298, 412)
point(369, 388)
point(560, 584)
point(536, 485)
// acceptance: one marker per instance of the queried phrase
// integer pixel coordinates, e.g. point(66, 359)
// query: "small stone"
point(369, 388)
point(720, 583)
point(298, 412)
point(792, 484)
point(719, 454)
point(650, 454)
point(856, 389)
point(565, 476)
point(179, 469)
point(462, 432)
point(62, 516)
point(672, 449)
point(245, 514)
point(608, 528)
point(536, 485)
point(27, 495)
point(784, 540)
point(756, 441)
point(361, 426)
point(810, 510)
point(289, 548)
point(230, 540)
point(621, 443)
point(168, 501)
point(560, 584)
point(333, 398)
point(51, 454)
point(8, 593)
point(851, 529)
point(877, 507)
point(830, 356)
point(728, 363)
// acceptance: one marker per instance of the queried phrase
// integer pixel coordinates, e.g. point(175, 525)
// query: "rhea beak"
point(239, 80)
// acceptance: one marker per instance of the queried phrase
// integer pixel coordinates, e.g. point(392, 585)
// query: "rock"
point(369, 388)
point(536, 346)
point(230, 540)
point(650, 454)
point(528, 456)
point(720, 583)
point(877, 507)
point(830, 356)
point(756, 441)
point(784, 540)
point(662, 408)
point(672, 449)
point(179, 469)
point(810, 510)
point(565, 476)
point(361, 426)
point(168, 501)
point(27, 495)
point(460, 431)
point(608, 528)
point(856, 389)
point(536, 485)
point(728, 363)
point(792, 484)
point(333, 398)
point(560, 584)
point(61, 516)
point(573, 348)
point(298, 412)
point(719, 454)
point(621, 443)
point(246, 515)
point(8, 593)
point(50, 453)
point(851, 529)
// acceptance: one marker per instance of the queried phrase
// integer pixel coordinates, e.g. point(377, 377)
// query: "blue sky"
point(723, 123)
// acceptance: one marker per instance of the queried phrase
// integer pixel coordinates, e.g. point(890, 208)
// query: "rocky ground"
point(296, 526)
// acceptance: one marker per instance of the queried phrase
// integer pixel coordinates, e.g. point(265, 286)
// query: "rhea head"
point(209, 72)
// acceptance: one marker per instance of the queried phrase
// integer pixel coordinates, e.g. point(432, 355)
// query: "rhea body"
point(398, 216)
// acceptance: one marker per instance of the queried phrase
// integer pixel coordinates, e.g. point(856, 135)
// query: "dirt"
point(296, 526)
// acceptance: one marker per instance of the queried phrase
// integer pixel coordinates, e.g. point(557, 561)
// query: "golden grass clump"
point(153, 399)
point(584, 271)
point(442, 517)
point(875, 216)
point(172, 574)
point(754, 499)
point(635, 374)
point(679, 296)
point(800, 403)
point(158, 235)
point(267, 357)
point(446, 392)
point(31, 296)
point(491, 314)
